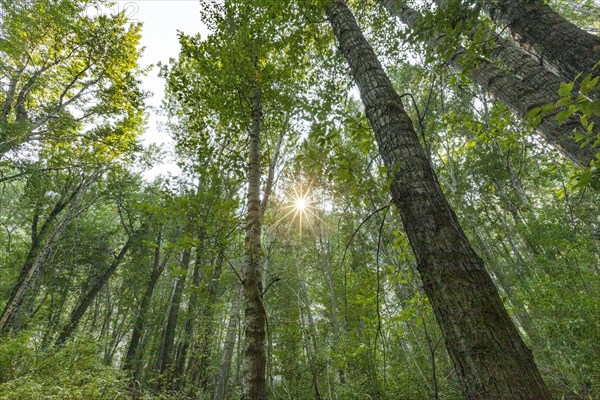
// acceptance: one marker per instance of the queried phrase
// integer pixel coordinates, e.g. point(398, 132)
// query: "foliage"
point(73, 372)
point(347, 314)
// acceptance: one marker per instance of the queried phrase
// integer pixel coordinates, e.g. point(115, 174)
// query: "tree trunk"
point(255, 315)
point(167, 340)
point(89, 297)
point(228, 348)
point(192, 309)
point(487, 352)
point(524, 87)
point(131, 362)
point(203, 350)
point(308, 332)
point(565, 48)
point(337, 323)
point(49, 235)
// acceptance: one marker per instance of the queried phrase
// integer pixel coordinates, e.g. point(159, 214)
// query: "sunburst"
point(301, 207)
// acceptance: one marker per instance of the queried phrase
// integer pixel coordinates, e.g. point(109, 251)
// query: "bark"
point(192, 309)
point(562, 46)
point(309, 332)
point(42, 245)
point(228, 348)
point(523, 85)
point(489, 357)
point(131, 362)
point(167, 340)
point(202, 354)
point(270, 182)
point(337, 324)
point(91, 294)
point(254, 366)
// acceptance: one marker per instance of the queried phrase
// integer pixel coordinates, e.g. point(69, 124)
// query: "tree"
point(530, 86)
point(62, 70)
point(477, 329)
point(561, 45)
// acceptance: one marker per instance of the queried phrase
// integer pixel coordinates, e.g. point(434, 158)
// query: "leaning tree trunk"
point(49, 235)
point(91, 294)
point(167, 339)
point(254, 367)
point(488, 355)
point(523, 85)
point(131, 362)
point(565, 48)
point(192, 308)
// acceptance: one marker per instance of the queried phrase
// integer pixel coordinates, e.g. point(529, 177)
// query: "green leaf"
point(588, 84)
point(564, 115)
point(565, 89)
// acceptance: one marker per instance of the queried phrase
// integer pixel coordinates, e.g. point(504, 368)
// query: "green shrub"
point(73, 372)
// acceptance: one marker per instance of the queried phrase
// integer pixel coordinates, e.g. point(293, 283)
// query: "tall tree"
point(488, 354)
point(43, 240)
point(520, 82)
point(90, 295)
point(65, 70)
point(567, 49)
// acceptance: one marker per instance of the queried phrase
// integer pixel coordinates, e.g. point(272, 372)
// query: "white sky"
point(161, 20)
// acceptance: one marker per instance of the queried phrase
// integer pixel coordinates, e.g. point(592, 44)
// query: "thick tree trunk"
point(565, 48)
point(131, 362)
point(228, 348)
point(89, 297)
point(522, 86)
point(167, 340)
point(255, 315)
point(488, 355)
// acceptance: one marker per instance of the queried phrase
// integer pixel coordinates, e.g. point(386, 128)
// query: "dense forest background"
point(375, 200)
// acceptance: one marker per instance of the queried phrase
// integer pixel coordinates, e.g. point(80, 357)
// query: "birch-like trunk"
point(489, 357)
point(254, 366)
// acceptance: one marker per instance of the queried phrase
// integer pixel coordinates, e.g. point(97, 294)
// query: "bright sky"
point(161, 20)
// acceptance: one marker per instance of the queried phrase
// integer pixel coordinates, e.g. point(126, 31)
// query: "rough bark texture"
point(254, 367)
point(523, 85)
point(488, 355)
point(561, 45)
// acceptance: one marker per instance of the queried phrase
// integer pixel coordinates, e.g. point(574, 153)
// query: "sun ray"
point(301, 207)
